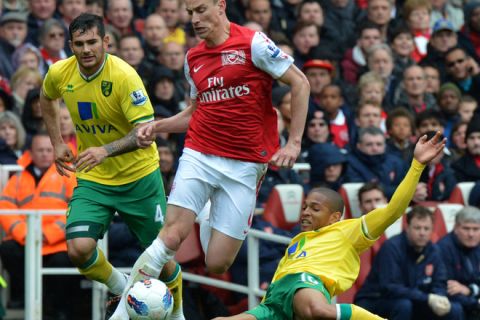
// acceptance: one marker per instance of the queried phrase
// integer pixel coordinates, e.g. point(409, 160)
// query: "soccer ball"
point(149, 299)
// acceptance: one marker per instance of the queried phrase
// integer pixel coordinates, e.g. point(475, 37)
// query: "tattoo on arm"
point(123, 145)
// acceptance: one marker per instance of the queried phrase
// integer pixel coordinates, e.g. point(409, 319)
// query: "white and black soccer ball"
point(149, 299)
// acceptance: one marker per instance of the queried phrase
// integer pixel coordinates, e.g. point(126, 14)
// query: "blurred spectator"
point(52, 39)
point(317, 130)
point(402, 44)
point(253, 25)
point(282, 99)
point(12, 138)
point(13, 31)
point(170, 12)
point(380, 61)
point(471, 28)
point(457, 138)
point(70, 9)
point(416, 14)
point(432, 75)
point(6, 101)
point(319, 74)
point(429, 120)
point(311, 11)
point(130, 49)
point(23, 80)
point(328, 166)
point(459, 70)
point(32, 119)
point(467, 168)
point(368, 114)
point(371, 87)
point(67, 129)
point(407, 279)
point(123, 246)
point(438, 177)
point(39, 186)
point(379, 12)
point(113, 39)
point(154, 32)
point(448, 101)
point(40, 11)
point(161, 90)
point(95, 7)
point(120, 15)
point(466, 109)
point(444, 9)
point(172, 56)
point(400, 128)
point(443, 38)
point(461, 254)
point(412, 94)
point(474, 198)
point(306, 35)
point(15, 5)
point(355, 59)
point(341, 20)
point(369, 161)
point(331, 100)
point(168, 163)
point(27, 55)
point(371, 196)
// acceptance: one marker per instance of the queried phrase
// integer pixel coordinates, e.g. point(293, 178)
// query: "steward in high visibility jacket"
point(38, 186)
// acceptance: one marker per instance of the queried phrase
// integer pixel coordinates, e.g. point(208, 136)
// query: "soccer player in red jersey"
point(231, 137)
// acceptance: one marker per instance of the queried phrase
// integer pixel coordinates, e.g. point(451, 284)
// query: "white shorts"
point(230, 185)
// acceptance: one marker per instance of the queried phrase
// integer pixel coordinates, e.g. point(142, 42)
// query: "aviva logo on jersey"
point(87, 110)
point(295, 250)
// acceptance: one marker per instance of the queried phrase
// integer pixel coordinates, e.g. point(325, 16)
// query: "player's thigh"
point(310, 303)
point(233, 202)
point(194, 182)
point(142, 205)
point(90, 211)
point(224, 244)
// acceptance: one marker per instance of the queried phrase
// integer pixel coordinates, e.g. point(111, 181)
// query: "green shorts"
point(141, 204)
point(278, 303)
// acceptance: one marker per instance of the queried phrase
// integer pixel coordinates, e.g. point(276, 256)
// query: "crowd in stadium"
point(381, 74)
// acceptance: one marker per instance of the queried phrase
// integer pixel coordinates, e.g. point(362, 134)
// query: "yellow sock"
point(97, 267)
point(174, 283)
point(353, 312)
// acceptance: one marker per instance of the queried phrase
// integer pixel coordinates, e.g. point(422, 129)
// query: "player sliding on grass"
point(323, 260)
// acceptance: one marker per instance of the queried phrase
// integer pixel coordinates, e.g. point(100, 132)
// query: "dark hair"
point(367, 25)
point(455, 49)
point(303, 25)
point(419, 212)
point(400, 112)
point(303, 3)
point(468, 98)
point(369, 186)
point(363, 104)
point(374, 131)
point(428, 115)
point(87, 21)
point(400, 29)
point(335, 200)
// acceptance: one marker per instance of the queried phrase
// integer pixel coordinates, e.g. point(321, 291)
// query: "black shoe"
point(111, 305)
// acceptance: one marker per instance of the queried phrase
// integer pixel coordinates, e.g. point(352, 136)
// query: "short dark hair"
point(369, 186)
point(399, 112)
point(419, 212)
point(429, 114)
point(335, 200)
point(367, 25)
point(455, 49)
point(374, 131)
point(87, 21)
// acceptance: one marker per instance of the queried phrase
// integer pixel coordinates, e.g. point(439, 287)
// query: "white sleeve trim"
point(193, 88)
point(268, 57)
point(365, 229)
point(339, 311)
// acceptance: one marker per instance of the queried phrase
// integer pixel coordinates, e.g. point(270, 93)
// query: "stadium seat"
point(284, 205)
point(366, 260)
point(394, 229)
point(461, 192)
point(448, 212)
point(439, 226)
point(349, 193)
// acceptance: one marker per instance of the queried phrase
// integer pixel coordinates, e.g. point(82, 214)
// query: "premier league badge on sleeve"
point(138, 97)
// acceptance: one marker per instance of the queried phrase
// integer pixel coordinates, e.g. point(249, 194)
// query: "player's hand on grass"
point(440, 305)
point(146, 135)
point(90, 158)
point(64, 159)
point(425, 150)
point(286, 156)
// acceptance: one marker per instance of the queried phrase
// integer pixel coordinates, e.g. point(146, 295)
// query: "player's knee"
point(314, 310)
point(218, 265)
point(79, 251)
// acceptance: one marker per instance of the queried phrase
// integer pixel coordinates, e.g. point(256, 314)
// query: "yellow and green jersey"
point(105, 107)
point(331, 253)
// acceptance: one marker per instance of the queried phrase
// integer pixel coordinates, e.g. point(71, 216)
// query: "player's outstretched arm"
point(380, 219)
point(63, 154)
point(300, 88)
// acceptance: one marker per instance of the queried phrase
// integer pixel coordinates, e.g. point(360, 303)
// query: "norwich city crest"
point(106, 88)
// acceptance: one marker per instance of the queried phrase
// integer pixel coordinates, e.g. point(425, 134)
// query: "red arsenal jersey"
point(232, 86)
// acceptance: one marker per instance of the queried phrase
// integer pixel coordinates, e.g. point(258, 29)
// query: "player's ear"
point(106, 41)
point(335, 217)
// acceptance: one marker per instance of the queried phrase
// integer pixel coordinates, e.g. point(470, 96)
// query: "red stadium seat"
point(461, 192)
point(349, 193)
point(284, 205)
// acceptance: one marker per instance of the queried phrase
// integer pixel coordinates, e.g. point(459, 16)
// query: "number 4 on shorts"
point(159, 214)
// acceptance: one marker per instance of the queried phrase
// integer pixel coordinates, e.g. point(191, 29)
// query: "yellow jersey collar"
point(93, 76)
